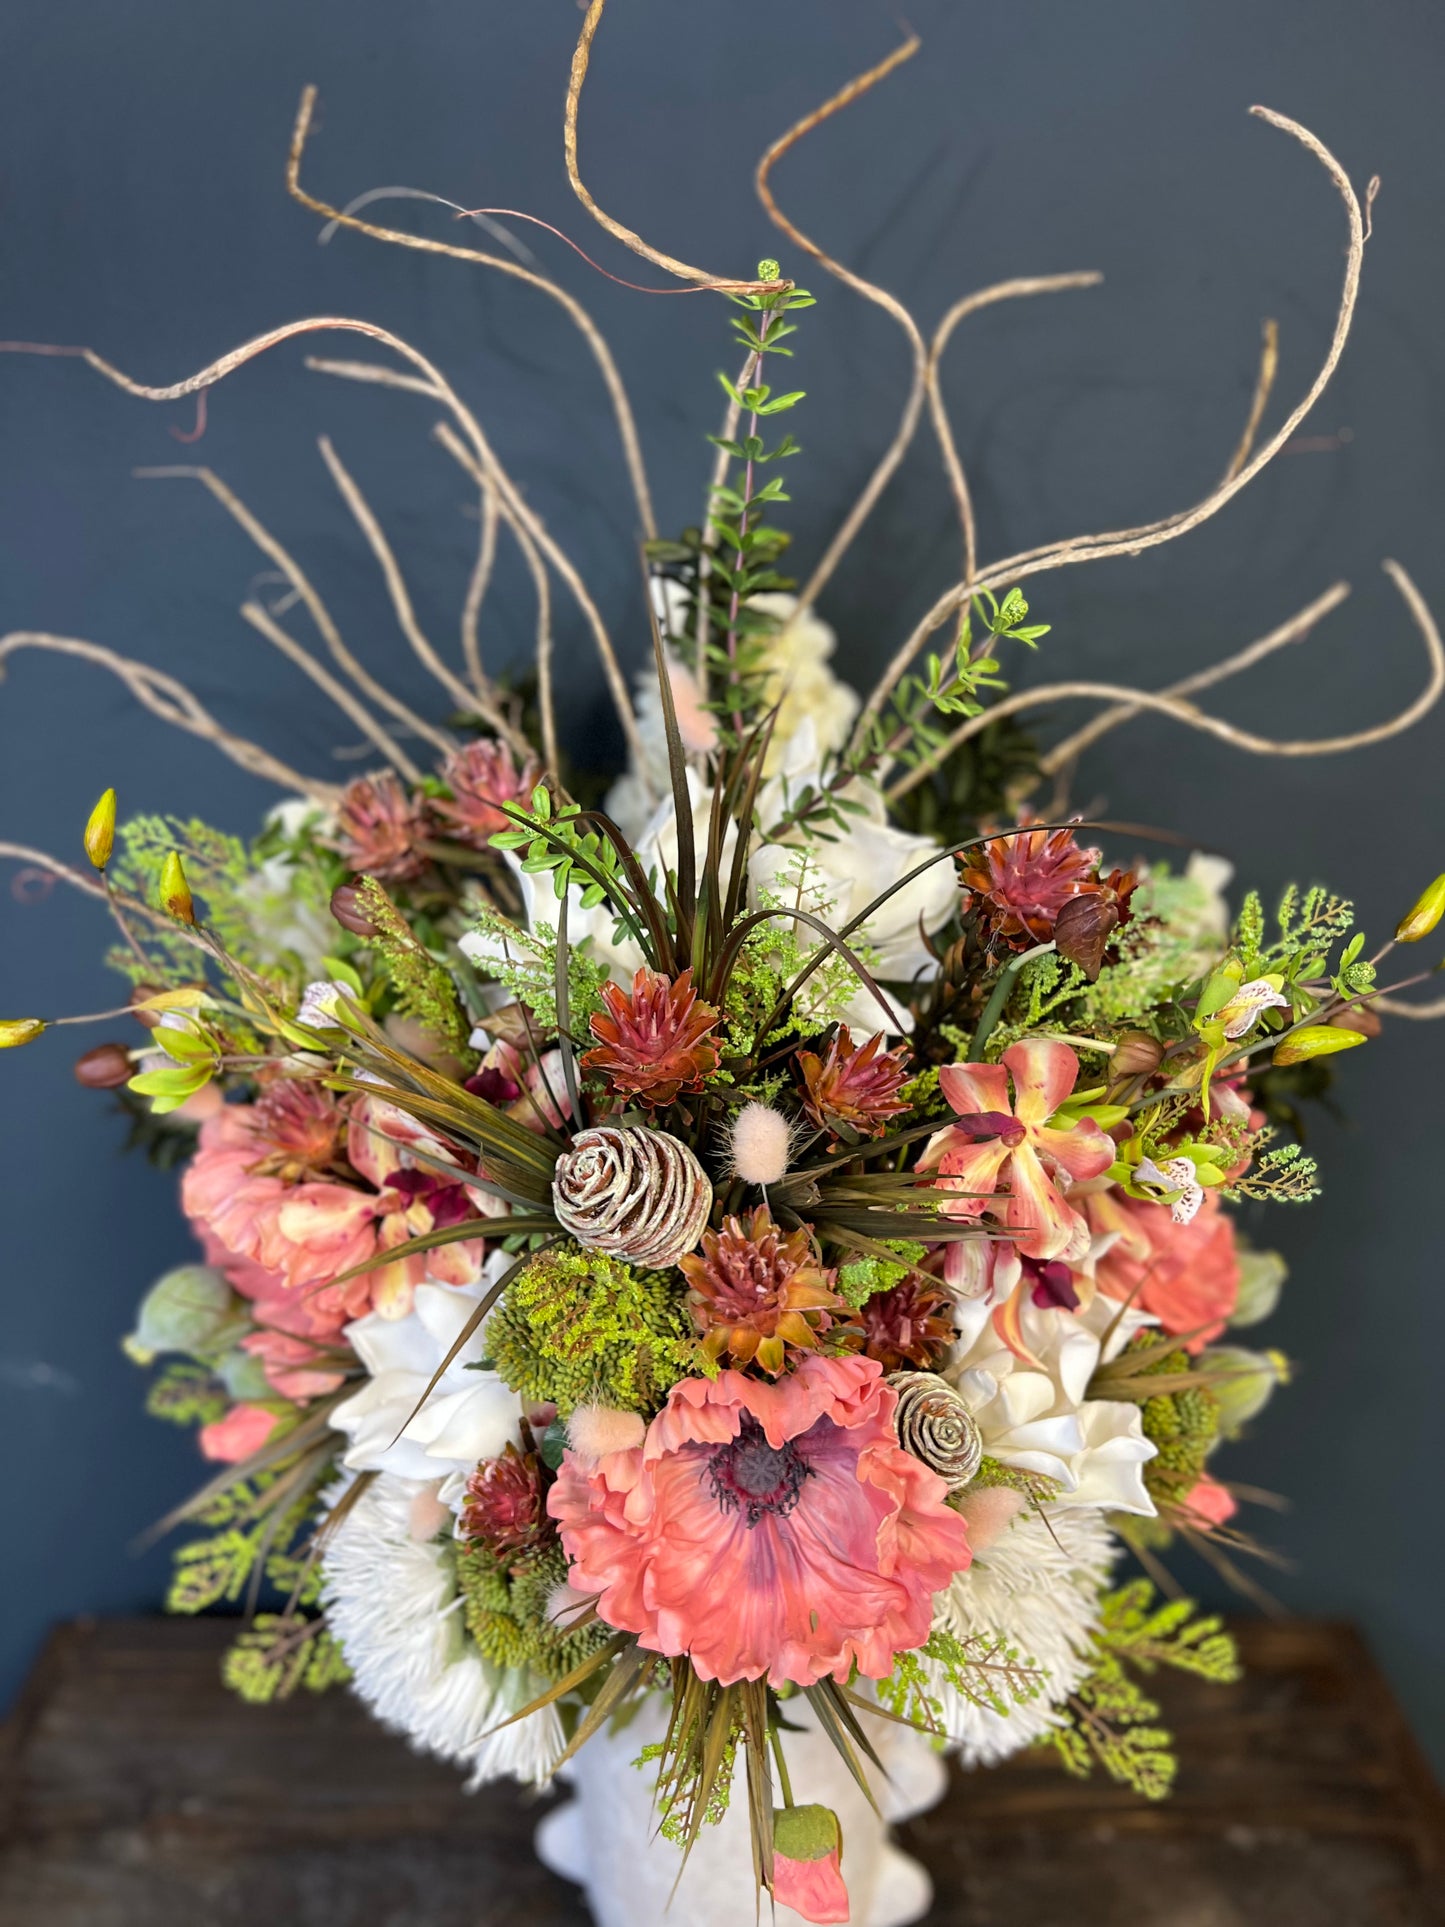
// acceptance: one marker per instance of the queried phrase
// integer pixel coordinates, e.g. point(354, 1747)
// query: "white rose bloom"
point(1041, 1420)
point(391, 1600)
point(1037, 1589)
point(471, 1415)
point(798, 679)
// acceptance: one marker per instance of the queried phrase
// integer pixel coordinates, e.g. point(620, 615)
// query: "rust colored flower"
point(853, 1091)
point(298, 1128)
point(909, 1325)
point(654, 1043)
point(482, 776)
point(755, 1292)
point(504, 1504)
point(379, 826)
point(1021, 884)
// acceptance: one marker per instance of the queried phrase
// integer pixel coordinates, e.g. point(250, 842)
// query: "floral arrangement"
point(753, 1233)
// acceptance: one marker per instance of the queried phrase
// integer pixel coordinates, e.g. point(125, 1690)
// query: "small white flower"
point(1246, 1006)
point(317, 1009)
point(1175, 1175)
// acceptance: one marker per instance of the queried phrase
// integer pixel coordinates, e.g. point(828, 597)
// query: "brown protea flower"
point(853, 1091)
point(653, 1044)
point(907, 1325)
point(482, 776)
point(379, 827)
point(504, 1509)
point(755, 1292)
point(1021, 884)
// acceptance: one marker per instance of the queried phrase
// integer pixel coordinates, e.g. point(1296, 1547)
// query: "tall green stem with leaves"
point(735, 515)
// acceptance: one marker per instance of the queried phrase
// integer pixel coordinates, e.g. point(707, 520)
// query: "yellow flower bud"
point(769, 270)
point(15, 1031)
point(175, 891)
point(100, 831)
point(1315, 1040)
point(1421, 920)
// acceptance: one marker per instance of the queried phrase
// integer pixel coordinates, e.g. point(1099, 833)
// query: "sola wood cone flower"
point(766, 1530)
point(936, 1426)
point(653, 1042)
point(853, 1090)
point(1004, 1155)
point(634, 1193)
point(756, 1292)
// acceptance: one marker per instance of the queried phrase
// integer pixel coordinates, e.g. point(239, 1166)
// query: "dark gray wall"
point(143, 212)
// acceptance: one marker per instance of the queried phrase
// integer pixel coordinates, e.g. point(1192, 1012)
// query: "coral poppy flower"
point(763, 1529)
point(1011, 1147)
point(310, 1232)
point(1185, 1275)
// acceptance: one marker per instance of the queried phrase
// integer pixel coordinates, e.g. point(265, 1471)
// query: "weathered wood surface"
point(134, 1792)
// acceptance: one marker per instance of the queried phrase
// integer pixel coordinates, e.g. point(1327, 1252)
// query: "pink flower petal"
point(970, 1088)
point(1043, 1073)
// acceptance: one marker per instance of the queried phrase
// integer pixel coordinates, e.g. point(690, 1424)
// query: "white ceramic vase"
point(605, 1837)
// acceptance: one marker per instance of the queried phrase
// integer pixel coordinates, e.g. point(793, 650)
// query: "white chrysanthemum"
point(392, 1602)
point(1037, 1588)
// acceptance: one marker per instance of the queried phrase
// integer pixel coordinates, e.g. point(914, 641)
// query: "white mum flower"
point(1037, 1589)
point(392, 1602)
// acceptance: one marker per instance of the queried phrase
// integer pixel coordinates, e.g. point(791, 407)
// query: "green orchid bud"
point(1315, 1040)
point(175, 891)
point(1243, 1382)
point(1261, 1280)
point(99, 836)
point(1427, 912)
point(191, 1309)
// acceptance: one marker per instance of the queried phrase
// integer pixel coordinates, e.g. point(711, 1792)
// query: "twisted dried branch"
point(169, 699)
point(325, 623)
point(1094, 548)
point(478, 583)
point(626, 235)
point(971, 304)
point(908, 424)
point(577, 314)
point(1194, 718)
point(265, 624)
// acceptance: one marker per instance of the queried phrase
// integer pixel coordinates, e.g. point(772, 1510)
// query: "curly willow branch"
point(536, 568)
point(1264, 383)
point(581, 320)
point(1295, 630)
point(325, 623)
point(478, 584)
point(625, 235)
point(174, 704)
point(1392, 1007)
point(912, 407)
point(265, 624)
point(971, 304)
point(1095, 548)
point(441, 390)
point(1186, 713)
point(365, 519)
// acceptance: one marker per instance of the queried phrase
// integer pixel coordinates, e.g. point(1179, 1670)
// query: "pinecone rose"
point(853, 1091)
point(1022, 884)
point(378, 828)
point(634, 1193)
point(909, 1325)
point(504, 1504)
point(482, 776)
point(654, 1043)
point(756, 1292)
point(935, 1425)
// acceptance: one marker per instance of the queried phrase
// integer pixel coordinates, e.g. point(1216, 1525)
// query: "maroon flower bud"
point(346, 907)
point(1136, 1054)
point(105, 1068)
point(1083, 928)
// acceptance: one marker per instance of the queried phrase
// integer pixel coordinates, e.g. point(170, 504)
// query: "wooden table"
point(135, 1792)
